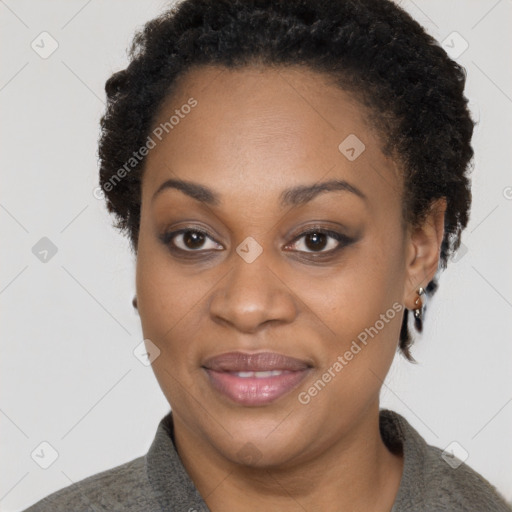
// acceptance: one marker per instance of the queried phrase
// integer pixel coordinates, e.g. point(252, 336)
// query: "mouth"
point(255, 379)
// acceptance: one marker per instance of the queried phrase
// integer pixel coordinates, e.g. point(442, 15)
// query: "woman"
point(292, 176)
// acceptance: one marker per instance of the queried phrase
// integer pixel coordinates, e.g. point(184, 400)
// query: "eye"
point(320, 241)
point(189, 240)
point(313, 241)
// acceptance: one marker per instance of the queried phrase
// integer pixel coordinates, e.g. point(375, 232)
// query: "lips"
point(255, 379)
point(259, 362)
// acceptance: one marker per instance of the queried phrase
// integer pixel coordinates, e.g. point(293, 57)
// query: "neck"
point(357, 472)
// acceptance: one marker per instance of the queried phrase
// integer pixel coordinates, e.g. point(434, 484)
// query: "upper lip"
point(261, 361)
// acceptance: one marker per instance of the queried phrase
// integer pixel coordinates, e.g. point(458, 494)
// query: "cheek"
point(157, 290)
point(361, 305)
point(168, 307)
point(367, 283)
point(165, 299)
point(172, 304)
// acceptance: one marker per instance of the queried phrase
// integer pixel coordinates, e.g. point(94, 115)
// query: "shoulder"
point(456, 486)
point(433, 480)
point(124, 487)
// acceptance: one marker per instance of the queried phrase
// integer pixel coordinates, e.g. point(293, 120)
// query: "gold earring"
point(418, 311)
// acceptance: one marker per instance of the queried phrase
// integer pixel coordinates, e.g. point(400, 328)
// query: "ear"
point(423, 247)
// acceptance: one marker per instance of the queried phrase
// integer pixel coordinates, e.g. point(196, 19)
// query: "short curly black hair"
point(372, 48)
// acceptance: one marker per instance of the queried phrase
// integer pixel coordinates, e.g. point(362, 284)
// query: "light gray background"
point(69, 376)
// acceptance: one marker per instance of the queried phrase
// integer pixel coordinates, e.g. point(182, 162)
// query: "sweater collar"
point(171, 483)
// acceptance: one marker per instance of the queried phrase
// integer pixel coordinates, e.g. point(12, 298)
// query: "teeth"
point(259, 375)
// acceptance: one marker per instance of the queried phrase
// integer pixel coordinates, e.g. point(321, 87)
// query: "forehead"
point(260, 129)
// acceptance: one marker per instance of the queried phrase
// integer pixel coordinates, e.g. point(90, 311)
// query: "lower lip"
point(254, 391)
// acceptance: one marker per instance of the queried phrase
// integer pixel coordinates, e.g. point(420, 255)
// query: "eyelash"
point(343, 241)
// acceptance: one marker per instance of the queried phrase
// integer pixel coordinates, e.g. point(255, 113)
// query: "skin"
point(255, 132)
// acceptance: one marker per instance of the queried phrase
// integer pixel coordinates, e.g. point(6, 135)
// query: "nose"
point(252, 295)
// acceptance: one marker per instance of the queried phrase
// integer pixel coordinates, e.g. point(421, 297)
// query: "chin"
point(261, 437)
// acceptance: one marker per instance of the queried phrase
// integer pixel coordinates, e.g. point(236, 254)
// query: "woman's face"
point(243, 277)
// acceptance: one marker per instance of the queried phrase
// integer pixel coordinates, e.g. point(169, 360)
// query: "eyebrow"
point(294, 196)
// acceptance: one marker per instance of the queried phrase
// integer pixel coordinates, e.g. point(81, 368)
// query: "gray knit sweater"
point(158, 482)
